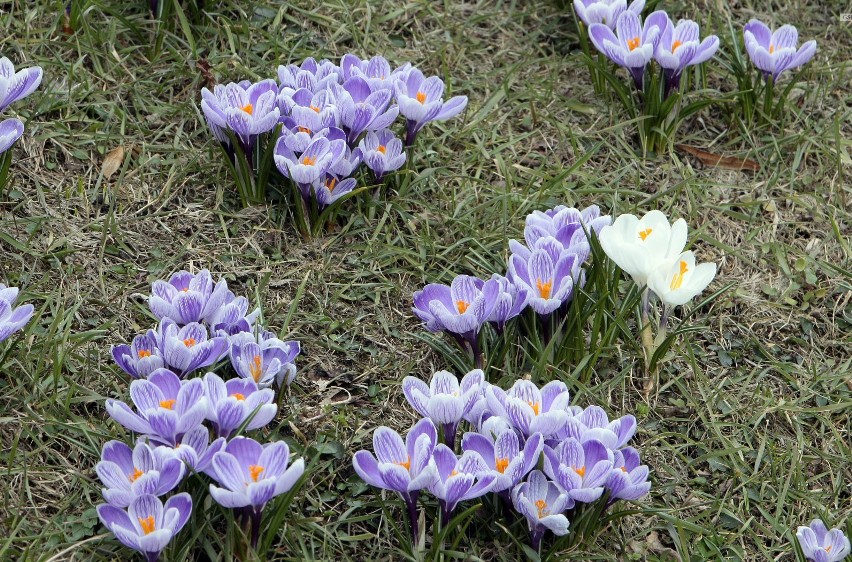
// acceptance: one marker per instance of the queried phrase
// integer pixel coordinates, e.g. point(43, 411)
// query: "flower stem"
point(647, 332)
point(256, 516)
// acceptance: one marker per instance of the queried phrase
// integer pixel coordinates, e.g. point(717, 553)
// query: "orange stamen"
point(255, 368)
point(189, 342)
point(623, 469)
point(308, 161)
point(304, 130)
point(421, 97)
point(143, 353)
point(254, 471)
point(382, 149)
point(771, 49)
point(238, 396)
point(536, 406)
point(406, 464)
point(675, 45)
point(315, 108)
point(136, 474)
point(542, 508)
point(248, 109)
point(677, 280)
point(148, 524)
point(168, 404)
point(581, 471)
point(462, 306)
point(544, 288)
point(633, 43)
point(331, 183)
point(502, 464)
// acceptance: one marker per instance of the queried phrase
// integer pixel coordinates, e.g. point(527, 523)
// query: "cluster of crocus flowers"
point(185, 424)
point(14, 86)
point(542, 275)
point(12, 318)
point(584, 454)
point(821, 545)
point(332, 118)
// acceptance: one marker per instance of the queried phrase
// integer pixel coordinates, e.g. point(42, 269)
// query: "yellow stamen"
point(536, 406)
point(406, 464)
point(542, 508)
point(544, 288)
point(623, 469)
point(421, 97)
point(315, 108)
point(238, 396)
point(254, 471)
point(136, 474)
point(331, 183)
point(255, 368)
point(462, 306)
point(644, 234)
point(148, 524)
point(168, 404)
point(248, 109)
point(304, 130)
point(675, 45)
point(502, 464)
point(143, 353)
point(771, 49)
point(677, 280)
point(828, 548)
point(633, 43)
point(454, 473)
point(382, 149)
point(581, 471)
point(189, 342)
point(308, 161)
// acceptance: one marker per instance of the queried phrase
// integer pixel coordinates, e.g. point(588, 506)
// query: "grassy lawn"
point(749, 431)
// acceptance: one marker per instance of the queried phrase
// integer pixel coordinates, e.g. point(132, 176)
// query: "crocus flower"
point(511, 301)
point(529, 409)
point(633, 44)
point(147, 525)
point(129, 473)
point(166, 407)
point(232, 317)
point(605, 11)
point(567, 225)
point(628, 479)
point(459, 479)
point(16, 85)
point(421, 100)
point(12, 319)
point(314, 162)
point(245, 108)
point(774, 52)
point(329, 189)
point(265, 359)
point(542, 503)
point(187, 298)
point(232, 403)
point(250, 474)
point(311, 74)
point(593, 424)
point(460, 308)
point(188, 348)
point(10, 131)
point(680, 280)
point(444, 401)
point(580, 469)
point(405, 467)
point(821, 545)
point(142, 357)
point(548, 274)
point(641, 246)
point(306, 113)
point(195, 449)
point(382, 152)
point(503, 456)
point(679, 47)
point(362, 109)
point(376, 71)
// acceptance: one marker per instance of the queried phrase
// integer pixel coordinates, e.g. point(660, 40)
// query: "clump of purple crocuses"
point(186, 424)
point(543, 272)
point(14, 86)
point(330, 119)
point(587, 464)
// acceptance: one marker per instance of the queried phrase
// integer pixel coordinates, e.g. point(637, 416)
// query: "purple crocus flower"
point(382, 152)
point(580, 469)
point(245, 108)
point(593, 423)
point(314, 162)
point(166, 407)
point(12, 319)
point(421, 100)
point(312, 75)
point(265, 359)
point(232, 403)
point(187, 298)
point(362, 109)
point(774, 52)
point(459, 479)
point(147, 525)
point(569, 226)
point(543, 504)
point(633, 44)
point(529, 409)
point(195, 449)
point(821, 545)
point(510, 302)
point(16, 85)
point(503, 456)
point(460, 308)
point(679, 47)
point(188, 348)
point(129, 473)
point(142, 357)
point(306, 114)
point(376, 71)
point(10, 131)
point(405, 467)
point(628, 480)
point(548, 273)
point(329, 189)
point(444, 401)
point(605, 11)
point(232, 317)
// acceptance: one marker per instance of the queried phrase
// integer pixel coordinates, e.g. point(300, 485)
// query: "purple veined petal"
point(10, 131)
point(260, 492)
point(417, 393)
point(367, 468)
point(274, 459)
point(395, 477)
point(785, 37)
point(760, 32)
point(121, 412)
point(451, 108)
point(227, 498)
point(706, 49)
point(804, 54)
point(292, 475)
point(479, 444)
point(389, 446)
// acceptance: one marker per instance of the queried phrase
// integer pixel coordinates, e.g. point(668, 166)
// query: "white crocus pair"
point(650, 250)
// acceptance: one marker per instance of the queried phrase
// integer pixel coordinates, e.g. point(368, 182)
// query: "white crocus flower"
point(680, 280)
point(642, 246)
